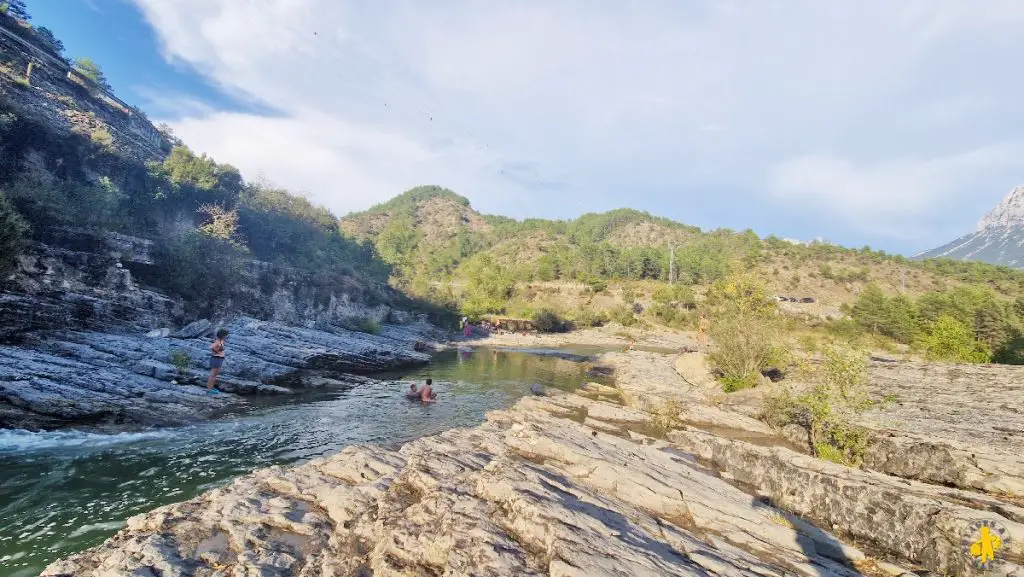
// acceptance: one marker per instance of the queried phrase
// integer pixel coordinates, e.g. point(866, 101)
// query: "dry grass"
point(779, 273)
point(777, 518)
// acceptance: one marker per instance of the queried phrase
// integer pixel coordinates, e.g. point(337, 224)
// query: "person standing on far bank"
point(216, 360)
point(702, 329)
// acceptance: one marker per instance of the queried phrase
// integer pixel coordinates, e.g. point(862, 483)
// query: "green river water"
point(61, 492)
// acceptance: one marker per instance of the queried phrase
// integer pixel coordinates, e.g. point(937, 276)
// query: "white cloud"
point(890, 197)
point(344, 165)
point(767, 98)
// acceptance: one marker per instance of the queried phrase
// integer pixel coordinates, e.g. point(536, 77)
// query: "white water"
point(19, 441)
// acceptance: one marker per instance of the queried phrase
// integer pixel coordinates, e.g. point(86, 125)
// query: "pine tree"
point(870, 309)
point(992, 324)
point(901, 322)
point(15, 8)
point(89, 69)
point(49, 41)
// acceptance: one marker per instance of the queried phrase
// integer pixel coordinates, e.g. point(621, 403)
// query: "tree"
point(869, 310)
point(1018, 307)
point(951, 340)
point(168, 133)
point(745, 330)
point(15, 8)
point(12, 232)
point(49, 41)
point(992, 324)
point(900, 320)
point(489, 286)
point(397, 242)
point(221, 224)
point(92, 71)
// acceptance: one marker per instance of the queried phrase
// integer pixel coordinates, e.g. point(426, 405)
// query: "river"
point(61, 492)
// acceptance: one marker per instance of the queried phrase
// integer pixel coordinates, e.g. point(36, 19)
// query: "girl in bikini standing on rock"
point(216, 360)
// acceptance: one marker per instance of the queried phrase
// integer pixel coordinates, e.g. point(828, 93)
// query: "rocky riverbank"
point(572, 484)
point(124, 380)
point(82, 343)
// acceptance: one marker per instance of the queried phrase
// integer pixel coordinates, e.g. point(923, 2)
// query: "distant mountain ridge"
point(998, 238)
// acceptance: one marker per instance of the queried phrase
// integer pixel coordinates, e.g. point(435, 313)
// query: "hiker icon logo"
point(983, 540)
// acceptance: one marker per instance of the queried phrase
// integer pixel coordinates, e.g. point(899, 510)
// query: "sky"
point(889, 124)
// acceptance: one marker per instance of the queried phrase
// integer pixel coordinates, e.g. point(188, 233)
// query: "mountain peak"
point(1009, 213)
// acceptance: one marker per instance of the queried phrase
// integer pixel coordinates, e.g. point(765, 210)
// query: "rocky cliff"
point(86, 344)
point(998, 238)
point(57, 96)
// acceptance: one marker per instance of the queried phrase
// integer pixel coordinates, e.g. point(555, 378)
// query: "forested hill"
point(431, 234)
point(614, 266)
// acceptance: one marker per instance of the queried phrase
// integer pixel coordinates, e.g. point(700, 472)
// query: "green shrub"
point(664, 312)
point(92, 71)
point(684, 297)
point(102, 137)
point(489, 286)
point(950, 340)
point(830, 453)
point(13, 230)
point(181, 361)
point(68, 203)
point(845, 330)
point(628, 295)
point(596, 285)
point(731, 384)
point(204, 271)
point(745, 331)
point(369, 326)
point(663, 295)
point(623, 315)
point(828, 408)
point(361, 325)
point(585, 317)
point(548, 321)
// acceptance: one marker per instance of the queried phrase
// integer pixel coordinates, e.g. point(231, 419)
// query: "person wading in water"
point(216, 360)
point(427, 394)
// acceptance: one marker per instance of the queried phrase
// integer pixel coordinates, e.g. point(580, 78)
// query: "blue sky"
point(894, 125)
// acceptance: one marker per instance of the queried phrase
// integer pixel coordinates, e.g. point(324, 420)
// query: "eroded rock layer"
point(532, 491)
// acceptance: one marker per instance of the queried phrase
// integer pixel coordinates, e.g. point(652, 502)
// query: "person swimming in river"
point(216, 360)
point(427, 394)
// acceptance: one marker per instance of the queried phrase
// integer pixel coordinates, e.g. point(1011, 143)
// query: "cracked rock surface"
point(529, 492)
